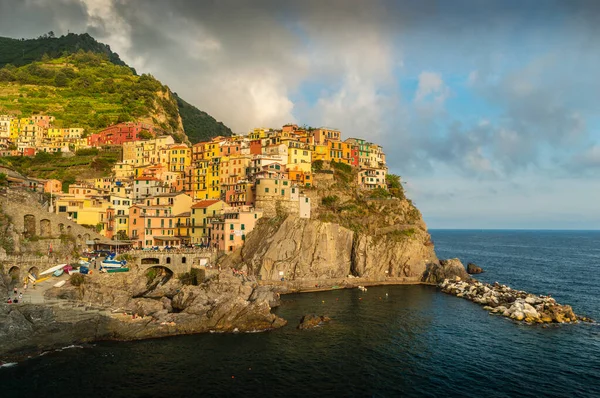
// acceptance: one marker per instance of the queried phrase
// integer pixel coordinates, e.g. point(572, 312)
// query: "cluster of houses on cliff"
point(30, 135)
point(163, 193)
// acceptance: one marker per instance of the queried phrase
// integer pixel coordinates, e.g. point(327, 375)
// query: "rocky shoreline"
point(514, 304)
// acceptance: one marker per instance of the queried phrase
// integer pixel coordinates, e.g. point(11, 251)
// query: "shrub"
point(379, 193)
point(330, 201)
point(77, 279)
point(317, 165)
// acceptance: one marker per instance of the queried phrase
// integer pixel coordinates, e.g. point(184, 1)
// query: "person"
point(9, 301)
point(15, 290)
point(21, 296)
point(15, 300)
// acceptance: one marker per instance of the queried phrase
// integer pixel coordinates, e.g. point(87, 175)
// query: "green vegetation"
point(88, 163)
point(343, 173)
point(379, 193)
point(22, 52)
point(3, 180)
point(84, 84)
point(395, 186)
point(199, 126)
point(85, 90)
point(77, 279)
point(330, 202)
point(317, 165)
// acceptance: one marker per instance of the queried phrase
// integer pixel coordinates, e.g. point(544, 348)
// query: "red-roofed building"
point(119, 133)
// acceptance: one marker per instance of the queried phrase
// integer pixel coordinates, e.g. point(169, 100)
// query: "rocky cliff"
point(135, 305)
point(350, 233)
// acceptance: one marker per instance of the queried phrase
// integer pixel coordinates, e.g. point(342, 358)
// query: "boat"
point(32, 278)
point(52, 269)
point(362, 288)
point(110, 262)
point(58, 272)
point(60, 284)
point(113, 270)
point(73, 271)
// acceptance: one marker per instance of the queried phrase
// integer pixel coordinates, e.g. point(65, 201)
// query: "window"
point(282, 192)
point(266, 190)
point(243, 227)
point(230, 226)
point(230, 237)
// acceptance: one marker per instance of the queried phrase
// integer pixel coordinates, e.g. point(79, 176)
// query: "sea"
point(390, 341)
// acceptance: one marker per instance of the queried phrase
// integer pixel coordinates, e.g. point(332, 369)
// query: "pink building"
point(228, 231)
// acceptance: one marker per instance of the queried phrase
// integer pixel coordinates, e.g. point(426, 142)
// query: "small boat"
point(110, 262)
point(84, 270)
point(113, 270)
point(58, 272)
point(73, 271)
point(362, 288)
point(32, 278)
point(60, 284)
point(52, 269)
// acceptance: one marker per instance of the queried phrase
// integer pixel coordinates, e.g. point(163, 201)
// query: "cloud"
point(431, 88)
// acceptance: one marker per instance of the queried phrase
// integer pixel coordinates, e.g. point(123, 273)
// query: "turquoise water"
point(388, 341)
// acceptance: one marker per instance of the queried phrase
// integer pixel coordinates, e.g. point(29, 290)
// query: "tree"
point(317, 165)
point(122, 235)
point(60, 80)
point(145, 135)
point(51, 34)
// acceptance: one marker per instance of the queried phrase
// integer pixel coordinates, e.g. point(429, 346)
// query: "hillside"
point(198, 125)
point(86, 90)
point(83, 83)
point(23, 52)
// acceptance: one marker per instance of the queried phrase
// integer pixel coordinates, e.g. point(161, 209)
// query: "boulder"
point(312, 320)
point(446, 269)
point(474, 269)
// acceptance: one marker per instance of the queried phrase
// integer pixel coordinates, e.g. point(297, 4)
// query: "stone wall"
point(31, 223)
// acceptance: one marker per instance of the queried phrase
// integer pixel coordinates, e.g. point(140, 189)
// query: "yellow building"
point(300, 159)
point(200, 213)
point(180, 158)
point(321, 152)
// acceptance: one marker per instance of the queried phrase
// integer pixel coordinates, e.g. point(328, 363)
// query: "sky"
point(487, 109)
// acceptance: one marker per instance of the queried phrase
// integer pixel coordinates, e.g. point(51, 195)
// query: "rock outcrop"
point(132, 306)
point(312, 321)
point(302, 249)
point(446, 269)
point(515, 304)
point(473, 269)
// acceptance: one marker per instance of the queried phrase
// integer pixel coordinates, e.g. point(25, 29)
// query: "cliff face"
point(306, 249)
point(299, 249)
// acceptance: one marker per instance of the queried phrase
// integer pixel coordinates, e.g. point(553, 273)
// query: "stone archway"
point(34, 271)
point(61, 228)
point(86, 237)
point(68, 230)
point(157, 275)
point(45, 228)
point(28, 225)
point(150, 260)
point(15, 274)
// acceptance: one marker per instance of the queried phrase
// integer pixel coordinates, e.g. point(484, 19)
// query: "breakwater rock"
point(514, 304)
point(312, 321)
point(474, 269)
